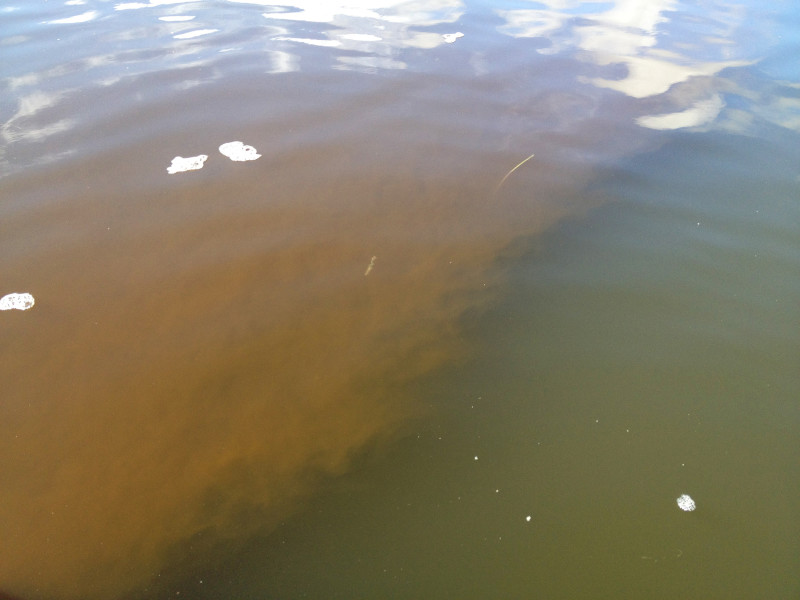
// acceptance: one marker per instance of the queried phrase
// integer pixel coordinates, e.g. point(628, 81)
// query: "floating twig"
point(503, 180)
point(370, 266)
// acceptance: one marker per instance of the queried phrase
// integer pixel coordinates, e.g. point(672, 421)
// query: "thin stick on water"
point(370, 266)
point(503, 180)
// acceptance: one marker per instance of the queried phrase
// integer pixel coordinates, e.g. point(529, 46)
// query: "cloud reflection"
point(89, 15)
point(143, 37)
point(150, 4)
point(378, 28)
point(188, 35)
point(639, 48)
point(701, 113)
point(633, 34)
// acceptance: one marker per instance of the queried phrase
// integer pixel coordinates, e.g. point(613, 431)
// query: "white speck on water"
point(15, 301)
point(528, 518)
point(686, 503)
point(238, 151)
point(191, 163)
point(476, 458)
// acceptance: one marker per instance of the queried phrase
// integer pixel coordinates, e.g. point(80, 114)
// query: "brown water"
point(233, 376)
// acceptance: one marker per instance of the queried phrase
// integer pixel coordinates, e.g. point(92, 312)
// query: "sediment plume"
point(197, 375)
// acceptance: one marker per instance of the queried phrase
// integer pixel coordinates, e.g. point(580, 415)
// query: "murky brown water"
point(210, 349)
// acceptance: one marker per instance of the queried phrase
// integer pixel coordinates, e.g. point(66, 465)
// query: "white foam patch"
point(452, 37)
point(686, 503)
point(238, 151)
point(16, 301)
point(181, 164)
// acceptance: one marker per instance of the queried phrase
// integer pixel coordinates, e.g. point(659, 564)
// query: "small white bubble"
point(528, 518)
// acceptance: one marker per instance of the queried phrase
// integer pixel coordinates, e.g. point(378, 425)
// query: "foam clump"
point(238, 151)
point(191, 163)
point(16, 301)
point(686, 503)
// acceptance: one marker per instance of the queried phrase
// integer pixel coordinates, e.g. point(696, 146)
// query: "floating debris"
point(181, 164)
point(452, 37)
point(686, 503)
point(238, 151)
point(16, 301)
point(503, 180)
point(370, 266)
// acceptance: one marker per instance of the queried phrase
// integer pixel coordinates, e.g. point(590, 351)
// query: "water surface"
point(368, 364)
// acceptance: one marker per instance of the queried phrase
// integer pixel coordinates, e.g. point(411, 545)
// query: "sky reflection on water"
point(684, 66)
